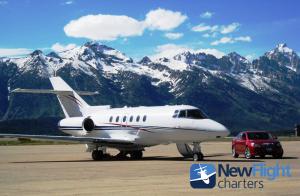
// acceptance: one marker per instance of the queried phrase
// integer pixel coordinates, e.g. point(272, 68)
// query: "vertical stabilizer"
point(72, 104)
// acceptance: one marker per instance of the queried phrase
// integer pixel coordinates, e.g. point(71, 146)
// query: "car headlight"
point(255, 145)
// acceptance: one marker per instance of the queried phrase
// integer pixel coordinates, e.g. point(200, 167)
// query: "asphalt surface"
point(68, 170)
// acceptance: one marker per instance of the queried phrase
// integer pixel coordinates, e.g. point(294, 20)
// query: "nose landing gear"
point(190, 151)
point(197, 154)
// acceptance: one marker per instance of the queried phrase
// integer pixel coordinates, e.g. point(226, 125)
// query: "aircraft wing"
point(104, 141)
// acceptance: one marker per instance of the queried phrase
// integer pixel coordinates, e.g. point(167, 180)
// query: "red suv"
point(253, 143)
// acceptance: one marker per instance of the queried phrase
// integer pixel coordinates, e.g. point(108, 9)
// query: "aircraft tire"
point(97, 155)
point(198, 156)
point(136, 155)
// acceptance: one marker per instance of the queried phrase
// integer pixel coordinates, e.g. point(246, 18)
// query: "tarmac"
point(69, 170)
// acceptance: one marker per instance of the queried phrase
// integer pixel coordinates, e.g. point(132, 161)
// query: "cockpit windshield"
point(191, 114)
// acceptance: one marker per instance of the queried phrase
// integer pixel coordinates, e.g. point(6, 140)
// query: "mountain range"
point(241, 94)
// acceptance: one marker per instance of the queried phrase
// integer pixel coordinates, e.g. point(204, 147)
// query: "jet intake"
point(88, 124)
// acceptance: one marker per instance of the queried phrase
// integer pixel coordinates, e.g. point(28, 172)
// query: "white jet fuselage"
point(148, 126)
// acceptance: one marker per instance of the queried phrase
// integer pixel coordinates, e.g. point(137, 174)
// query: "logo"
point(203, 176)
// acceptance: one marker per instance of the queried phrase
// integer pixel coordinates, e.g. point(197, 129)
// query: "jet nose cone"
point(222, 129)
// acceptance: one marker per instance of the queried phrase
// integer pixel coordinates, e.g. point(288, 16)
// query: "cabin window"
point(124, 118)
point(144, 118)
point(111, 119)
point(137, 118)
point(117, 119)
point(131, 118)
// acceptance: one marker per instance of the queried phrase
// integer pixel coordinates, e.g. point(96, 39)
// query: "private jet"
point(128, 129)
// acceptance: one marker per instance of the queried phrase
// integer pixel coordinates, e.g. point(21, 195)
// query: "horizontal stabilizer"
point(49, 91)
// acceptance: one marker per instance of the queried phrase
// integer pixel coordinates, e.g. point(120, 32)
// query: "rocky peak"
point(145, 60)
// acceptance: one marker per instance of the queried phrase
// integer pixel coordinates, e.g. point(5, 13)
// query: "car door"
point(239, 143)
point(242, 143)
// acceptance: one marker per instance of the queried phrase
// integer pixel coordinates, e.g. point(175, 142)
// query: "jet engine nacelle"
point(79, 125)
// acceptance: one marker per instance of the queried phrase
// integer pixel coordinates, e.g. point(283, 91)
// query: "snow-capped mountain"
point(242, 94)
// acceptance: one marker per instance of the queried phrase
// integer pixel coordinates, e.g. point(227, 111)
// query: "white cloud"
point(111, 27)
point(244, 38)
point(170, 50)
point(69, 2)
point(225, 40)
point(3, 2)
point(57, 47)
point(173, 35)
point(207, 14)
point(206, 35)
point(161, 19)
point(225, 29)
point(202, 28)
point(104, 27)
point(14, 52)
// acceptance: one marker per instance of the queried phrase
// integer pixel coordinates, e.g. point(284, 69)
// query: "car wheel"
point(234, 154)
point(278, 156)
point(248, 154)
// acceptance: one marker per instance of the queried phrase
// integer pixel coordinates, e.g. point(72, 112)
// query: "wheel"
point(234, 154)
point(277, 156)
point(136, 155)
point(97, 155)
point(198, 156)
point(248, 154)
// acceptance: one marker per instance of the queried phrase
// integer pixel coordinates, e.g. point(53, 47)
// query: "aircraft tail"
point(71, 103)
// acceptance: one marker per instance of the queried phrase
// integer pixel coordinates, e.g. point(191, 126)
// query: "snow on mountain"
point(285, 56)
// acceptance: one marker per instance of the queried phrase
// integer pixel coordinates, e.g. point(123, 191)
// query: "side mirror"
point(275, 137)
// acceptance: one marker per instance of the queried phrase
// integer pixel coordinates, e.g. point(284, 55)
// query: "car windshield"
point(259, 136)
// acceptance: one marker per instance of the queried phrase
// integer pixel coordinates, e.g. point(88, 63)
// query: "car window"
point(243, 136)
point(259, 136)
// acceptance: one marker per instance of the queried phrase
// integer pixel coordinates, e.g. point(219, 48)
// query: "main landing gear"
point(134, 155)
point(100, 154)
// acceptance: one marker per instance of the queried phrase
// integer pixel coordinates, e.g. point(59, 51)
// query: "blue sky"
point(149, 27)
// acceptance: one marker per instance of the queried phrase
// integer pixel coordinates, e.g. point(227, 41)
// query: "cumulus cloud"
point(225, 29)
point(203, 27)
point(207, 14)
point(57, 47)
point(226, 40)
point(161, 19)
point(104, 27)
point(173, 35)
point(14, 52)
point(170, 50)
point(111, 27)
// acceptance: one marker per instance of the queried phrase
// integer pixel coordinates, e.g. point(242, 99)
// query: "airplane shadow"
point(208, 158)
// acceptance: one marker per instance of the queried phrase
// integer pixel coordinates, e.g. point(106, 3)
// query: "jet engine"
point(88, 124)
